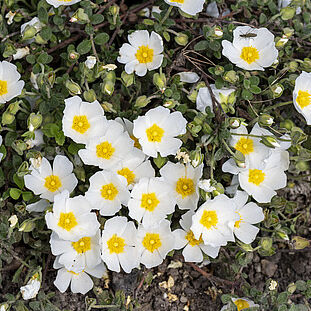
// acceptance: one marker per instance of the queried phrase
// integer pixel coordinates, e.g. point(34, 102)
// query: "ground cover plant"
point(155, 155)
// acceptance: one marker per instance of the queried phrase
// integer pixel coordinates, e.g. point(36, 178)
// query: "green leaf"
point(43, 15)
point(201, 46)
point(18, 181)
point(101, 38)
point(97, 19)
point(255, 89)
point(15, 193)
point(84, 47)
point(246, 94)
point(46, 33)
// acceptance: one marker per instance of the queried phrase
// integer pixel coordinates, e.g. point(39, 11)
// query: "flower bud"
point(302, 166)
point(282, 41)
point(142, 101)
point(288, 124)
point(4, 307)
point(31, 289)
point(300, 243)
point(107, 87)
point(159, 80)
point(196, 157)
point(29, 33)
point(13, 222)
point(277, 90)
point(270, 142)
point(73, 55)
point(34, 121)
point(109, 67)
point(128, 79)
point(80, 17)
point(7, 118)
point(27, 226)
point(219, 70)
point(234, 123)
point(193, 96)
point(246, 247)
point(306, 65)
point(265, 120)
point(90, 62)
point(231, 76)
point(110, 76)
point(293, 66)
point(283, 235)
point(207, 128)
point(181, 39)
point(89, 95)
point(39, 39)
point(217, 32)
point(291, 288)
point(14, 107)
point(21, 52)
point(73, 87)
point(266, 243)
point(19, 146)
point(170, 103)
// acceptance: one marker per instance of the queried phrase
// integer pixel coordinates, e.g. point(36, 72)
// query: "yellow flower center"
point(52, 183)
point(82, 246)
point(3, 87)
point(144, 54)
point(154, 133)
point(116, 244)
point(80, 124)
point(105, 150)
point(73, 271)
point(136, 142)
point(256, 176)
point(149, 201)
point(249, 54)
point(192, 240)
point(245, 145)
point(128, 174)
point(209, 219)
point(238, 222)
point(109, 191)
point(241, 304)
point(152, 241)
point(178, 1)
point(303, 99)
point(67, 221)
point(185, 186)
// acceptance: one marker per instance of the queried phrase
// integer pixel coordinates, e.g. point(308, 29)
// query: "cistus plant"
point(133, 132)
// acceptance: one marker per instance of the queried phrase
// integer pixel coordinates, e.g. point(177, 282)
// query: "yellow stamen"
point(82, 246)
point(155, 133)
point(245, 145)
point(144, 54)
point(3, 87)
point(52, 183)
point(80, 124)
point(241, 304)
point(249, 54)
point(149, 201)
point(152, 242)
point(192, 240)
point(303, 99)
point(116, 244)
point(67, 221)
point(105, 150)
point(128, 174)
point(185, 187)
point(109, 191)
point(209, 219)
point(256, 176)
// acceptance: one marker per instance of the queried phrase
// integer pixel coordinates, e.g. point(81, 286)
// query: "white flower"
point(71, 218)
point(10, 85)
point(157, 129)
point(31, 289)
point(128, 127)
point(143, 53)
point(261, 176)
point(118, 244)
point(204, 98)
point(10, 16)
point(76, 256)
point(57, 3)
point(109, 67)
point(193, 247)
point(151, 201)
point(205, 184)
point(35, 22)
point(154, 243)
point(251, 49)
point(38, 207)
point(1, 154)
point(183, 180)
point(215, 220)
point(109, 149)
point(79, 282)
point(302, 95)
point(191, 7)
point(240, 303)
point(13, 221)
point(107, 192)
point(273, 285)
point(37, 141)
point(189, 77)
point(90, 62)
point(249, 145)
point(249, 214)
point(48, 182)
point(134, 167)
point(33, 80)
point(21, 52)
point(82, 120)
